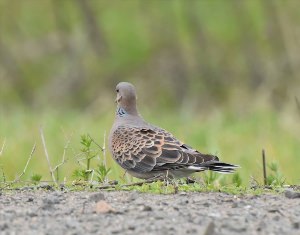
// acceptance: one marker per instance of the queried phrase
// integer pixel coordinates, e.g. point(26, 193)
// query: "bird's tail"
point(221, 167)
point(216, 166)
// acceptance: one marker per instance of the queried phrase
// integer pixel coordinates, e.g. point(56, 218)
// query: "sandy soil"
point(55, 212)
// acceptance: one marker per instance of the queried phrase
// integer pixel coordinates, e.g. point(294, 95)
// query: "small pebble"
point(27, 188)
point(30, 199)
point(131, 227)
point(95, 197)
point(103, 207)
point(206, 204)
point(296, 225)
point(46, 186)
point(146, 208)
point(291, 194)
point(210, 229)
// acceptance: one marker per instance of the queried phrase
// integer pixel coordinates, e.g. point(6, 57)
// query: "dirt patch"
point(44, 212)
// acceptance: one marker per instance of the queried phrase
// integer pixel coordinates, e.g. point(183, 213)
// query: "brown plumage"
point(147, 151)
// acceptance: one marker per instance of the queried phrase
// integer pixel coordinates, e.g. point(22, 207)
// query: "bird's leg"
point(166, 178)
point(175, 185)
point(190, 180)
point(172, 181)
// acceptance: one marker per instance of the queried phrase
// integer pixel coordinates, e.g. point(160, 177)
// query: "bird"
point(147, 151)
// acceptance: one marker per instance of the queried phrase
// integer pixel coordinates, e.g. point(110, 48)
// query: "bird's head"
point(126, 97)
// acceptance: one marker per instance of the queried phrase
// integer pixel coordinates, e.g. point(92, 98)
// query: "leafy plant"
point(210, 177)
point(87, 172)
point(36, 178)
point(80, 174)
point(275, 178)
point(2, 175)
point(86, 142)
point(89, 154)
point(102, 172)
point(237, 180)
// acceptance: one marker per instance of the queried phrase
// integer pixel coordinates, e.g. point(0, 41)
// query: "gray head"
point(126, 98)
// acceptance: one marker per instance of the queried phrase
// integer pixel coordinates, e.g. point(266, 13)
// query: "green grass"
point(237, 139)
point(162, 188)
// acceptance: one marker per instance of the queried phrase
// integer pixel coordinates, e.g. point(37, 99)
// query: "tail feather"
point(222, 167)
point(216, 166)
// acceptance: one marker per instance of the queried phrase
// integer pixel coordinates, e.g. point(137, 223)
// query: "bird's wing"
point(153, 149)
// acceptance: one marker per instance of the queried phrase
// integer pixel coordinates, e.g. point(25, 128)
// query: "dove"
point(146, 151)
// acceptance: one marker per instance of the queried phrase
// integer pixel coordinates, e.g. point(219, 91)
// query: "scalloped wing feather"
point(153, 149)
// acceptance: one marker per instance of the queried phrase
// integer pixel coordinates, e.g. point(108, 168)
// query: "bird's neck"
point(124, 110)
point(123, 118)
point(120, 112)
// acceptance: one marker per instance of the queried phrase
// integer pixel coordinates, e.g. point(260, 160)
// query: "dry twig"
point(2, 148)
point(63, 159)
point(92, 176)
point(297, 103)
point(103, 148)
point(47, 155)
point(27, 163)
point(264, 167)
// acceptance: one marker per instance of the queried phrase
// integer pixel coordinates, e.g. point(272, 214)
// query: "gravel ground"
point(55, 212)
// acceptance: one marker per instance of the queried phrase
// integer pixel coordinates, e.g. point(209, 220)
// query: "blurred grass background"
point(221, 75)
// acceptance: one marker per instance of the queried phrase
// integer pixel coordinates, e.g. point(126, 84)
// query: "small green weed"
point(157, 187)
point(102, 172)
point(80, 174)
point(2, 175)
point(275, 178)
point(36, 178)
point(237, 179)
point(87, 153)
point(210, 178)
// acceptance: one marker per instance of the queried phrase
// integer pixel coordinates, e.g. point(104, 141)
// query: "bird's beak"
point(119, 97)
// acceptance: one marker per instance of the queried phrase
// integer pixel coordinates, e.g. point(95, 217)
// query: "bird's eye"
point(117, 90)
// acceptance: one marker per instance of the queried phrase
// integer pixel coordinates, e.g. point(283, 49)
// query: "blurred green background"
point(221, 75)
